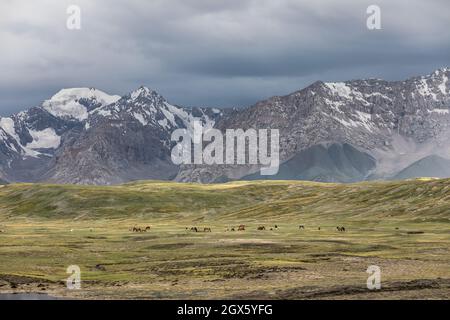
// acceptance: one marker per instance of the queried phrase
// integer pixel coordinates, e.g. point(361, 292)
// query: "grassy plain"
point(403, 227)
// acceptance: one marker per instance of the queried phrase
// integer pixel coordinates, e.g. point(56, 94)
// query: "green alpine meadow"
point(237, 240)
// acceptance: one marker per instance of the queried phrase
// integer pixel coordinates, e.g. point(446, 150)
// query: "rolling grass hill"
point(422, 199)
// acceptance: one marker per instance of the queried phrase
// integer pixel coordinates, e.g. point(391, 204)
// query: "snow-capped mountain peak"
point(142, 102)
point(142, 92)
point(442, 70)
point(148, 107)
point(75, 103)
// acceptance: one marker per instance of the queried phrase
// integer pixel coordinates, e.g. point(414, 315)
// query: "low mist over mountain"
point(431, 166)
point(341, 132)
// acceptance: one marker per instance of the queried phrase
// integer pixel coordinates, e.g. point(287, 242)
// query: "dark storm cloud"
point(211, 52)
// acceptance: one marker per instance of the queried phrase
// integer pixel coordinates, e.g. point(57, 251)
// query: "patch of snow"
point(381, 95)
point(46, 138)
point(365, 119)
point(424, 90)
point(137, 93)
point(140, 118)
point(8, 126)
point(65, 103)
point(439, 111)
point(340, 89)
point(443, 85)
point(169, 113)
point(164, 123)
point(187, 118)
point(3, 135)
point(347, 124)
point(335, 105)
point(103, 112)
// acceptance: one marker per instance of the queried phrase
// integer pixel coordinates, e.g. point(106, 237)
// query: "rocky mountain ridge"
point(341, 131)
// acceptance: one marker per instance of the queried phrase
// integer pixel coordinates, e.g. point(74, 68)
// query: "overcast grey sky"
point(212, 52)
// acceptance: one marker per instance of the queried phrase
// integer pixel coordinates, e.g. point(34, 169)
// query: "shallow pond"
point(26, 296)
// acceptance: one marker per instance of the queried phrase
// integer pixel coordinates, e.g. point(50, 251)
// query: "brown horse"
point(206, 229)
point(260, 228)
point(136, 229)
point(241, 228)
point(194, 229)
point(301, 227)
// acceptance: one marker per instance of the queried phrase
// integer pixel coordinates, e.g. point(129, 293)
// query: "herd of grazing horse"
point(136, 229)
point(239, 228)
point(195, 229)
